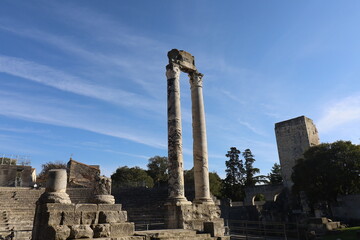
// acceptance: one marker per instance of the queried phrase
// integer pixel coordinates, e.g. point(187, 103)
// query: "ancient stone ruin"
point(294, 137)
point(202, 214)
point(57, 218)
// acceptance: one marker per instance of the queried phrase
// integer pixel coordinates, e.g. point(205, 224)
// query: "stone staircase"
point(145, 206)
point(174, 234)
point(17, 208)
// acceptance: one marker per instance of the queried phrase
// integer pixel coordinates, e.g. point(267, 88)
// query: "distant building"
point(82, 175)
point(293, 138)
point(12, 175)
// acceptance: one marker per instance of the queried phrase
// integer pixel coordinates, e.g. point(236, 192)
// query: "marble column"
point(201, 171)
point(175, 156)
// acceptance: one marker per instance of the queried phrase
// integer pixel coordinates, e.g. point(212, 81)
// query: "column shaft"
point(175, 156)
point(201, 171)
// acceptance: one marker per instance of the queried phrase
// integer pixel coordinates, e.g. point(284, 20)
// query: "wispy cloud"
point(252, 128)
point(66, 82)
point(339, 113)
point(36, 112)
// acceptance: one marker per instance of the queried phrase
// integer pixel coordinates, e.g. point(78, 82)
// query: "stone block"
point(130, 238)
point(81, 231)
point(88, 218)
point(215, 228)
point(59, 207)
point(109, 207)
point(121, 229)
point(71, 218)
point(55, 233)
point(53, 219)
point(112, 216)
point(86, 207)
point(101, 230)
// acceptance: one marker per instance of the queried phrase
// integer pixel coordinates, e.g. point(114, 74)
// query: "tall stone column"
point(175, 156)
point(201, 170)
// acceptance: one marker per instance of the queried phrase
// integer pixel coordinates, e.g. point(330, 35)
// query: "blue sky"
point(87, 78)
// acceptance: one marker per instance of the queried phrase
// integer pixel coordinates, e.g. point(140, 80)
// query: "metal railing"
point(264, 230)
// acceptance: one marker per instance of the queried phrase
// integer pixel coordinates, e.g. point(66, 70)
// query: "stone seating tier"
point(17, 208)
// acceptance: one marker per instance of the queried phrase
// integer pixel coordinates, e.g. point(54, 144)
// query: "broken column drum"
point(55, 191)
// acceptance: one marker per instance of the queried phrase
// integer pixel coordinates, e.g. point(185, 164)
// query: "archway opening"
point(259, 199)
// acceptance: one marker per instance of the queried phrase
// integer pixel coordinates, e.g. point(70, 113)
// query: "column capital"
point(196, 79)
point(172, 71)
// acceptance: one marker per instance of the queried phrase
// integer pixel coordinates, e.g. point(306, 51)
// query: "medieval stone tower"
point(293, 138)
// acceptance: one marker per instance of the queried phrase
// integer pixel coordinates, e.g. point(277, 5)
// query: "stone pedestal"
point(56, 221)
point(200, 217)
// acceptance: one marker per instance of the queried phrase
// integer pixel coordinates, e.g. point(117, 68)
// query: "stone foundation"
point(199, 217)
point(74, 221)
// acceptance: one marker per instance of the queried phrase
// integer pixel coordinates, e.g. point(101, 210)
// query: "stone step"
point(174, 234)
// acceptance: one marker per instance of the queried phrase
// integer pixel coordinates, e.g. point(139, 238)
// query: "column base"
point(177, 201)
point(204, 201)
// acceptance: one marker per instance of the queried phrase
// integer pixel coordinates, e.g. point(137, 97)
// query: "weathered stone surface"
point(59, 207)
point(53, 219)
point(55, 197)
point(71, 218)
point(86, 207)
point(81, 174)
point(184, 59)
point(104, 199)
point(112, 216)
point(175, 155)
point(56, 181)
point(293, 138)
point(89, 218)
point(81, 231)
point(109, 207)
point(121, 229)
point(215, 228)
point(56, 233)
point(101, 230)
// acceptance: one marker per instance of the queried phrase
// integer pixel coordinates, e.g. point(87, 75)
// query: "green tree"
point(42, 176)
point(275, 176)
point(215, 184)
point(214, 180)
point(158, 169)
point(233, 184)
point(327, 171)
point(250, 171)
point(131, 177)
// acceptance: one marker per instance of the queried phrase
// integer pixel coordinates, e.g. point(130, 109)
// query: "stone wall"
point(17, 176)
point(293, 138)
point(347, 209)
point(80, 174)
point(270, 193)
